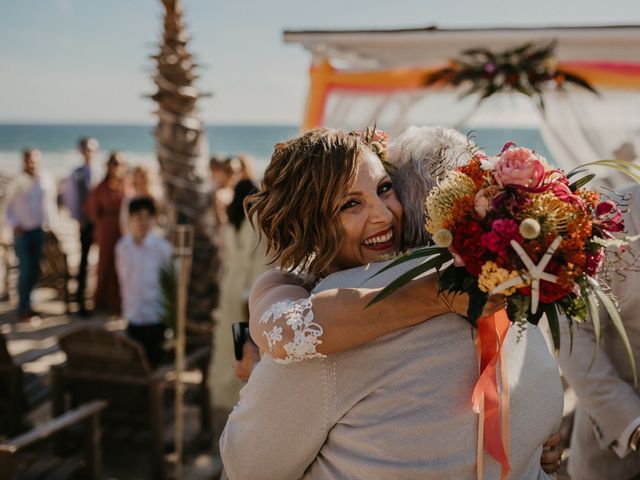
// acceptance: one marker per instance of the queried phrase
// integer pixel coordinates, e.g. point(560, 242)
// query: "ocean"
point(57, 142)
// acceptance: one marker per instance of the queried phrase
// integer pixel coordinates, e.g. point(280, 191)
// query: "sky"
point(87, 61)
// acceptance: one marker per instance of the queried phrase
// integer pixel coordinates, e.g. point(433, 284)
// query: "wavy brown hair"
point(297, 208)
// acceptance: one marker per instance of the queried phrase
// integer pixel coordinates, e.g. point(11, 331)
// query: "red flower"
point(594, 261)
point(498, 240)
point(549, 292)
point(608, 216)
point(561, 189)
point(468, 245)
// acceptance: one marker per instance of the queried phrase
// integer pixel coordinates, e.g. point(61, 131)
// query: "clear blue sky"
point(87, 60)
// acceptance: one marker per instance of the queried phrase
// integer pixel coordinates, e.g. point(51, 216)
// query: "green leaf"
point(575, 171)
point(451, 279)
point(571, 78)
point(570, 320)
point(435, 262)
point(581, 182)
point(614, 315)
point(628, 168)
point(554, 325)
point(469, 284)
point(477, 301)
point(422, 252)
point(594, 314)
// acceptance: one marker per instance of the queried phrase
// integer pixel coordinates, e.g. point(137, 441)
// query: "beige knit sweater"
point(397, 408)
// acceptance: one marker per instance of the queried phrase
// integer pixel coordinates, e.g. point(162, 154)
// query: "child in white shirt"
point(140, 255)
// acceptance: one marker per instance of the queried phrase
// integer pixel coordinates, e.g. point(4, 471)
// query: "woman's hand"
point(494, 304)
point(250, 356)
point(460, 303)
point(552, 453)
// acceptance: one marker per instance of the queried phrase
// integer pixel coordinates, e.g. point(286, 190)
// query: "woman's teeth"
point(379, 239)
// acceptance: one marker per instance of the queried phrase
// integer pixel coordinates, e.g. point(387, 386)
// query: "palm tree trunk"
point(181, 145)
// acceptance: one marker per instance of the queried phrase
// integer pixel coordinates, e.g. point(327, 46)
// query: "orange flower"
point(462, 208)
point(590, 197)
point(474, 171)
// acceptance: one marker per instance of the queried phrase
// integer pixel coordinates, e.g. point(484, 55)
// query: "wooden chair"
point(18, 460)
point(110, 366)
point(54, 271)
point(20, 392)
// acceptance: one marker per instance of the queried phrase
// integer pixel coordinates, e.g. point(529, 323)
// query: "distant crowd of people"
point(121, 212)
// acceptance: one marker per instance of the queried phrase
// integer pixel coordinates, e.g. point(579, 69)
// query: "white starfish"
point(534, 272)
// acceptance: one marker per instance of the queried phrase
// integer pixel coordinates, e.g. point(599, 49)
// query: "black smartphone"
point(240, 332)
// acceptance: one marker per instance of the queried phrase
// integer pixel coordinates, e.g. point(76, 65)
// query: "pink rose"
point(519, 166)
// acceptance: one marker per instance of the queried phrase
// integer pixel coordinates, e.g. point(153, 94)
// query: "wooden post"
point(184, 242)
point(94, 452)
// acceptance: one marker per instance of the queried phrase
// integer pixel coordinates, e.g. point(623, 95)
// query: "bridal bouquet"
point(516, 226)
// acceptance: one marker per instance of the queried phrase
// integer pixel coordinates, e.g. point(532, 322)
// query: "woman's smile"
point(380, 242)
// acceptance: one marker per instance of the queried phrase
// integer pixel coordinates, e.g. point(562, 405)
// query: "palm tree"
point(181, 144)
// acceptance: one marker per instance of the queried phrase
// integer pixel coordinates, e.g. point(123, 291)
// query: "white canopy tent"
point(378, 76)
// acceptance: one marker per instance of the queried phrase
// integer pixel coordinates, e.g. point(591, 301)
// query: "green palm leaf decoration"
point(529, 69)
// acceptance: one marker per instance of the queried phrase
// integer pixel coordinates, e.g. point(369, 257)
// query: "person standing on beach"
point(103, 209)
point(76, 191)
point(140, 256)
point(30, 210)
point(138, 183)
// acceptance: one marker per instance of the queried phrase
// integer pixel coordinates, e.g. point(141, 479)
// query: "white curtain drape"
point(579, 127)
point(576, 126)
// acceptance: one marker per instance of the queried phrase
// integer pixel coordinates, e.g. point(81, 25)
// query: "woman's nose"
point(380, 213)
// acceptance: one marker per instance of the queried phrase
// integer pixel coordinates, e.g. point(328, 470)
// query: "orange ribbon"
point(492, 331)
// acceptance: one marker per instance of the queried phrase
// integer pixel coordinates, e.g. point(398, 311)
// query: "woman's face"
point(140, 181)
point(371, 217)
point(116, 170)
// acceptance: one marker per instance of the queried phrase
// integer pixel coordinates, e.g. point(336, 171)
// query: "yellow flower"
point(440, 201)
point(492, 276)
point(553, 214)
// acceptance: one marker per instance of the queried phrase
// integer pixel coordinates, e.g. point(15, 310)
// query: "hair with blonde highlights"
point(297, 208)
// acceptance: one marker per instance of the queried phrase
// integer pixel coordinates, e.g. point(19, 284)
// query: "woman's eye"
point(348, 204)
point(385, 187)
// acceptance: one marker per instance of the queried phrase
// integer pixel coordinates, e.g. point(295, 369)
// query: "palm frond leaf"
point(402, 280)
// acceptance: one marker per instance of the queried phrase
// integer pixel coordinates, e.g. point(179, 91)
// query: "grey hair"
point(420, 156)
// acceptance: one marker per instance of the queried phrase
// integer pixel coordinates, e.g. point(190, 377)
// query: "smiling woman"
point(327, 204)
point(370, 218)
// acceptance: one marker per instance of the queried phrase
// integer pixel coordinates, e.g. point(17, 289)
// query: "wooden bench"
point(20, 392)
point(17, 460)
point(110, 366)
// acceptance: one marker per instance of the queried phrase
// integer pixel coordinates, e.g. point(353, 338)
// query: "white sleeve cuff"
point(621, 446)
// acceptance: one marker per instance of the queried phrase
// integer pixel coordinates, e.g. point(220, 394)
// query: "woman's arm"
point(290, 324)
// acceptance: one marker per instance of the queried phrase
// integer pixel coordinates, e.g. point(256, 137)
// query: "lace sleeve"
point(304, 332)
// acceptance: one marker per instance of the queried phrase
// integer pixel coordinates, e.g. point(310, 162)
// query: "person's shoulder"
point(124, 242)
point(276, 276)
point(367, 276)
point(274, 280)
point(158, 241)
